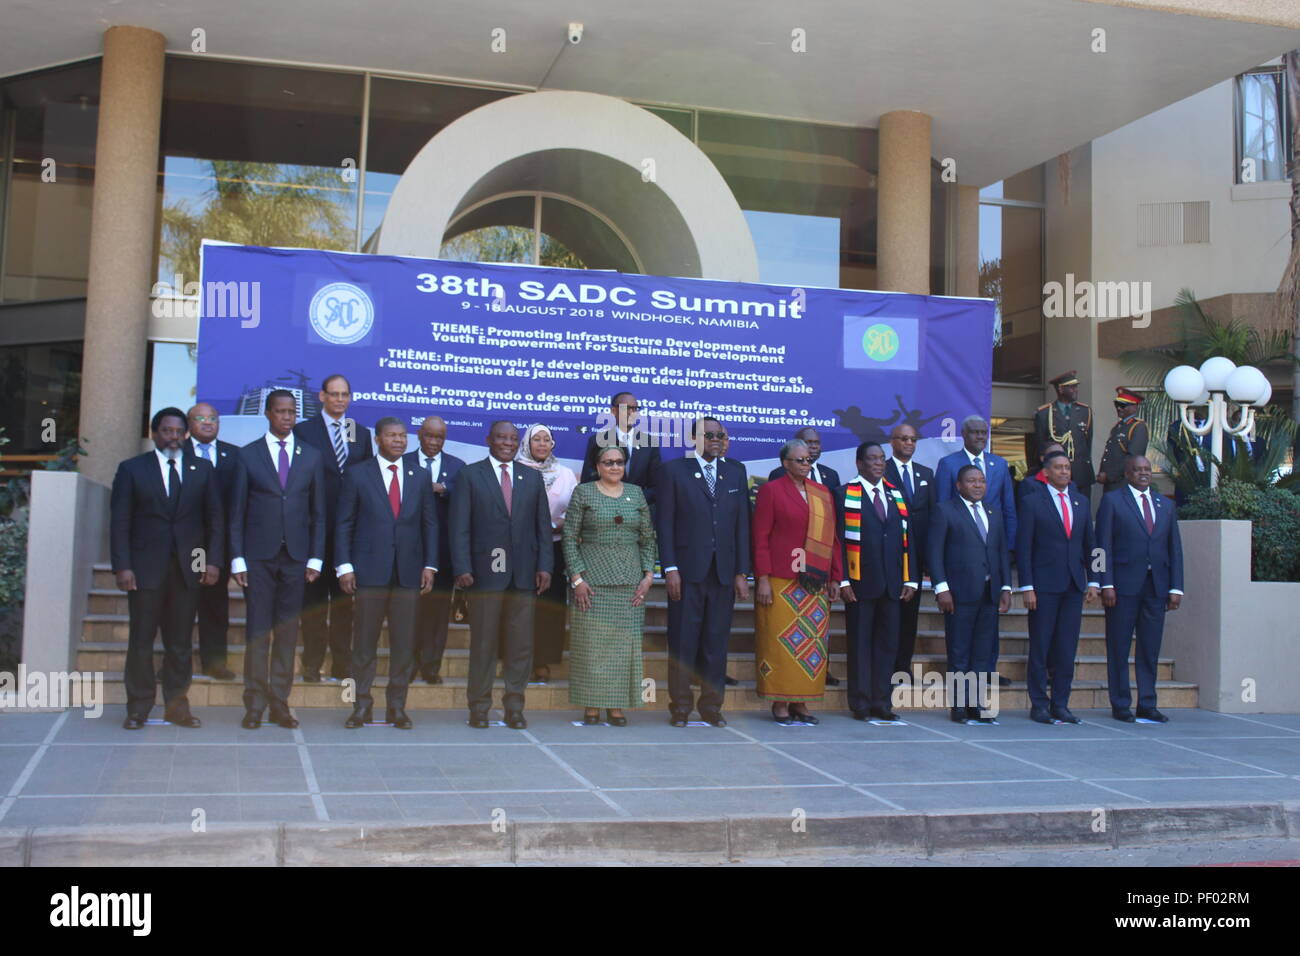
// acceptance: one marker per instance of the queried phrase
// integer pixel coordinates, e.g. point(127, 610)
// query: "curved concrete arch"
point(590, 148)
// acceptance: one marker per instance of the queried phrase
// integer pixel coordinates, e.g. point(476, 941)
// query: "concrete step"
point(554, 695)
point(111, 656)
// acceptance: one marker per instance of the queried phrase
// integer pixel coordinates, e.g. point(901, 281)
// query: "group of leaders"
point(317, 525)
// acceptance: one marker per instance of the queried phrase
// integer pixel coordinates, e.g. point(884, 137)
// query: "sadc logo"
point(342, 313)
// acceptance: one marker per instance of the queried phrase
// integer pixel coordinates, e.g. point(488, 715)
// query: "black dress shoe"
point(133, 723)
point(478, 723)
point(957, 715)
point(286, 720)
point(359, 717)
point(1040, 715)
point(884, 715)
point(832, 680)
point(399, 719)
point(1004, 681)
point(252, 720)
point(805, 717)
point(715, 720)
point(184, 720)
point(1064, 716)
point(219, 672)
point(972, 713)
point(431, 677)
point(616, 721)
point(788, 718)
point(1153, 714)
point(679, 720)
point(858, 715)
point(731, 681)
point(1124, 716)
point(591, 720)
point(515, 720)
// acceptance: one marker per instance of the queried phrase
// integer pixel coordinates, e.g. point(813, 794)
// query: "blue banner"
point(474, 343)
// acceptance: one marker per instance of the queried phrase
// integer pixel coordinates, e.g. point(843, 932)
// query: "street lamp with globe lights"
point(1217, 382)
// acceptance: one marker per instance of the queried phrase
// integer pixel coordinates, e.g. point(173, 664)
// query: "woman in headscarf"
point(797, 568)
point(537, 450)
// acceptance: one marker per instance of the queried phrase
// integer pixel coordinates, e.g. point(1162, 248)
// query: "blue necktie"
point(207, 452)
point(907, 481)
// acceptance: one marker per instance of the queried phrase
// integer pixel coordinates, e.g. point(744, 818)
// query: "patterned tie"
point(1146, 513)
point(907, 481)
point(709, 478)
point(340, 446)
point(979, 521)
point(880, 504)
point(173, 484)
point(1065, 512)
point(394, 492)
point(979, 462)
point(284, 464)
point(507, 491)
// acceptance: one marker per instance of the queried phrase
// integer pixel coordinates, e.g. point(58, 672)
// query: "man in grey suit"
point(501, 552)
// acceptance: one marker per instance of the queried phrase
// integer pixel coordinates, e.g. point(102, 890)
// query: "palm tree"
point(1286, 302)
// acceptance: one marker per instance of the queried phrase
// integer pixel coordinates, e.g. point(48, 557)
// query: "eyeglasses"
point(801, 461)
point(613, 463)
point(206, 418)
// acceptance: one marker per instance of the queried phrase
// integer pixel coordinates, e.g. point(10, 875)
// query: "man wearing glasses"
point(916, 482)
point(214, 599)
point(643, 460)
point(703, 527)
point(327, 611)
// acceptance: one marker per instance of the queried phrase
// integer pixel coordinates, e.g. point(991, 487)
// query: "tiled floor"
point(65, 769)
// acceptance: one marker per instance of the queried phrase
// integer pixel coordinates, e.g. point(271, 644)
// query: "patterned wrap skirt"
point(790, 643)
point(605, 650)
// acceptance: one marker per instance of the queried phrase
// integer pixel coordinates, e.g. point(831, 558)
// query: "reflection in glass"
point(1010, 273)
point(39, 382)
point(1262, 123)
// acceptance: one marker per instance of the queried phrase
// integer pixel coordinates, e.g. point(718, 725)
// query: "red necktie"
point(1065, 512)
point(394, 492)
point(1146, 513)
point(506, 491)
point(880, 505)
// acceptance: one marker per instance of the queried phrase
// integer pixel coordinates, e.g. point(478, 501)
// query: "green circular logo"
point(880, 342)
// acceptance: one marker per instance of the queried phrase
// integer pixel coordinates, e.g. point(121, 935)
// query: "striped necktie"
point(340, 446)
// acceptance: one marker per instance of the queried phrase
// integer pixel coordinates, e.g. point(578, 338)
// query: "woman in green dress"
point(609, 550)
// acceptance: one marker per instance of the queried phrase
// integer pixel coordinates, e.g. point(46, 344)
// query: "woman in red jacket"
point(797, 567)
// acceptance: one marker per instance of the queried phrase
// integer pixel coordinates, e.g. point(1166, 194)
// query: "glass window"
point(39, 384)
point(1011, 273)
point(506, 230)
point(259, 155)
point(54, 117)
point(1263, 125)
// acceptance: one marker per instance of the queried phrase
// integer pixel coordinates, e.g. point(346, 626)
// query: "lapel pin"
point(697, 475)
point(191, 467)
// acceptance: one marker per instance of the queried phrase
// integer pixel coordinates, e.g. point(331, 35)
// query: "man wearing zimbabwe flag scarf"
point(879, 566)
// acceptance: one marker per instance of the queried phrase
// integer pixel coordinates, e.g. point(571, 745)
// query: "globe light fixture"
point(1216, 386)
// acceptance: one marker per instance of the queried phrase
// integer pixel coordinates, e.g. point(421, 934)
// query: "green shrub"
point(1274, 514)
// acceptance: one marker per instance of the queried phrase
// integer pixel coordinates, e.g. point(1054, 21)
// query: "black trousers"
point(871, 638)
point(214, 621)
point(1146, 613)
point(1053, 641)
point(699, 629)
point(274, 601)
point(432, 618)
point(373, 605)
point(971, 636)
point(499, 619)
point(327, 622)
point(171, 609)
point(909, 613)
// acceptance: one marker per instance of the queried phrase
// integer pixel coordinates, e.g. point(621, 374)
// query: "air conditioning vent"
point(1173, 223)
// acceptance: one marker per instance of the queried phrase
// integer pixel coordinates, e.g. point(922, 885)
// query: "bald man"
point(214, 599)
point(432, 617)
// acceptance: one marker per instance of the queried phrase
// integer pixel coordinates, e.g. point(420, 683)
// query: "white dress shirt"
point(868, 501)
point(971, 507)
point(382, 464)
point(1137, 499)
point(237, 564)
point(1061, 505)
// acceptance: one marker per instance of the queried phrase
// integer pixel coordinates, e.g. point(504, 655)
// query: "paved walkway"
point(65, 770)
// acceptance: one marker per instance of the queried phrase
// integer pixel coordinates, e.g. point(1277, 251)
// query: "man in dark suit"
point(386, 542)
point(1142, 578)
point(500, 551)
point(970, 566)
point(327, 611)
point(916, 482)
point(822, 474)
point(1067, 422)
point(214, 599)
point(166, 538)
point(1053, 555)
point(999, 492)
point(644, 460)
point(881, 573)
point(433, 614)
point(703, 526)
point(277, 538)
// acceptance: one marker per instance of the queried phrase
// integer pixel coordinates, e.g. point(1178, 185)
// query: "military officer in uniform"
point(1127, 439)
point(1068, 423)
